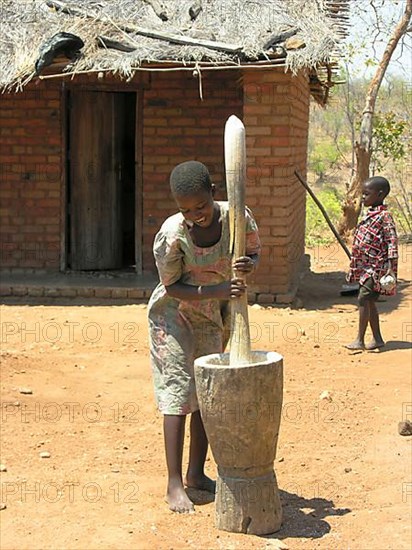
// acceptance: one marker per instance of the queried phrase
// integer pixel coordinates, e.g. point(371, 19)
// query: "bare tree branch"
point(376, 15)
point(399, 31)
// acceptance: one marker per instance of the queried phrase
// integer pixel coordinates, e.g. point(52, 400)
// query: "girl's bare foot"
point(202, 483)
point(374, 344)
point(178, 500)
point(356, 344)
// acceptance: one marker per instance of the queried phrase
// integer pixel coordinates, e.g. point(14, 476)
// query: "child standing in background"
point(189, 315)
point(374, 260)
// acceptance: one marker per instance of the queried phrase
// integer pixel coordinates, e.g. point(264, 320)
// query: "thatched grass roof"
point(122, 36)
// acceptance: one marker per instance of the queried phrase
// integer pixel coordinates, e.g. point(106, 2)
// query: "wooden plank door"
point(96, 126)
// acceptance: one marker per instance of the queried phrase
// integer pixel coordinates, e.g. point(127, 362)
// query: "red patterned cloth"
point(375, 243)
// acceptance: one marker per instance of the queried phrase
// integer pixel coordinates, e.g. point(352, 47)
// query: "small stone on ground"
point(405, 427)
point(45, 454)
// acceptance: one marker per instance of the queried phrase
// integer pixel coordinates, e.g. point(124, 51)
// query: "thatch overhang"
point(126, 36)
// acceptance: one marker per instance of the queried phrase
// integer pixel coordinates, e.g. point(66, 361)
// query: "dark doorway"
point(101, 191)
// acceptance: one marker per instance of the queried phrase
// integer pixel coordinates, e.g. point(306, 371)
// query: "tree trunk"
point(363, 147)
point(352, 205)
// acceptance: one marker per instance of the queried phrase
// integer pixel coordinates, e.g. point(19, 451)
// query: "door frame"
point(137, 88)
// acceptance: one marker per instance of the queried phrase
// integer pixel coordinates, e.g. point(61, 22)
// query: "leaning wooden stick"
point(235, 162)
point(325, 215)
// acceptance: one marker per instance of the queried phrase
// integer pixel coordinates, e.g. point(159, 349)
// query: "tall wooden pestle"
point(235, 163)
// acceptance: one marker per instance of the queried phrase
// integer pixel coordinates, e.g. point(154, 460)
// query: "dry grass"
point(26, 24)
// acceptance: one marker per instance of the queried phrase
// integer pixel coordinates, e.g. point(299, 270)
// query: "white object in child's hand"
point(388, 282)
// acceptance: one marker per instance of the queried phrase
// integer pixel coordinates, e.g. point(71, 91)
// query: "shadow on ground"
point(302, 517)
point(322, 291)
point(305, 517)
point(391, 345)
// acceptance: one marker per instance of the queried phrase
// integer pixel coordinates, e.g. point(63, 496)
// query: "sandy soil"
point(343, 469)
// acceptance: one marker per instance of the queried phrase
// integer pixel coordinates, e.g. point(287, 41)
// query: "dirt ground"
point(343, 470)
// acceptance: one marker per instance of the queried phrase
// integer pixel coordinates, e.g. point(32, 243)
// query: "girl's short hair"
point(190, 177)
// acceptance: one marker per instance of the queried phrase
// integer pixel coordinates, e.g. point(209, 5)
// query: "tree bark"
point(363, 147)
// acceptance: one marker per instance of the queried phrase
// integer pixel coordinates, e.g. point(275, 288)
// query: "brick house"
point(88, 143)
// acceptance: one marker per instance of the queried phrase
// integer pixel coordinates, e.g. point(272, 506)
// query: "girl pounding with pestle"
point(189, 314)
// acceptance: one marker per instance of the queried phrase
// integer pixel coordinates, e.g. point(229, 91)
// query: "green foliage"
point(317, 230)
point(327, 155)
point(403, 218)
point(399, 199)
point(323, 157)
point(388, 130)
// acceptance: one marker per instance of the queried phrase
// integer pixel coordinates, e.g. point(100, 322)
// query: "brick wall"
point(276, 114)
point(180, 126)
point(30, 164)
